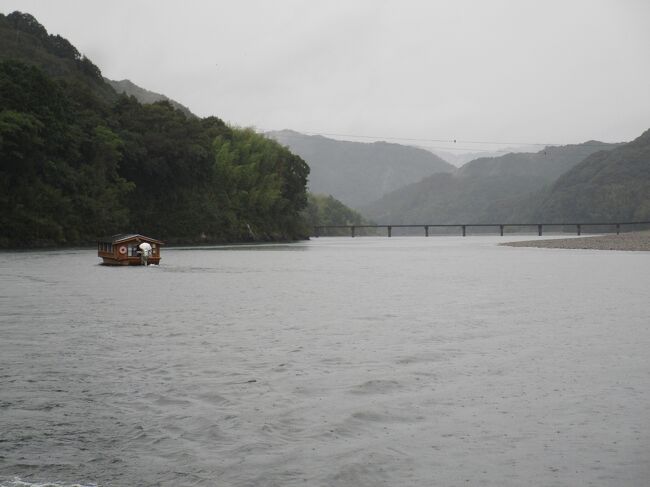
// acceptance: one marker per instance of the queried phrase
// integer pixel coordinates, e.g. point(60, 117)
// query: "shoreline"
point(175, 243)
point(630, 241)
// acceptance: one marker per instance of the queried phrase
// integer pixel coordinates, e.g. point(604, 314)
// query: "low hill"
point(145, 96)
point(357, 173)
point(607, 186)
point(325, 210)
point(485, 190)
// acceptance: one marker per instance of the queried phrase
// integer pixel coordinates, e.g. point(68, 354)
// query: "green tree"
point(78, 161)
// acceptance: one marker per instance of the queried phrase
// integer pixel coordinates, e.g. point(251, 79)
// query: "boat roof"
point(124, 237)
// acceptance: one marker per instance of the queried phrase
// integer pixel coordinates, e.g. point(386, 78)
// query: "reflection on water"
point(351, 362)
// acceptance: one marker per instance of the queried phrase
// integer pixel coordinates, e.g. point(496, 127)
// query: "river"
point(372, 361)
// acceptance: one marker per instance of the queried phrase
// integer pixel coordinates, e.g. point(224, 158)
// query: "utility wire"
point(448, 141)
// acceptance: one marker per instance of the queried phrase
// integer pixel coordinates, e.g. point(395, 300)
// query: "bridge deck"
point(319, 230)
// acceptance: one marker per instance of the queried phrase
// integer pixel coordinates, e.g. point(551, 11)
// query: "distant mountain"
point(485, 190)
point(357, 173)
point(459, 159)
point(145, 96)
point(607, 186)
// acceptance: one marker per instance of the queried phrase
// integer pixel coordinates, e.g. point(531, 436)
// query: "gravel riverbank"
point(635, 241)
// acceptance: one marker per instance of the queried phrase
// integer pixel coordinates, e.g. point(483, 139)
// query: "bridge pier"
point(322, 230)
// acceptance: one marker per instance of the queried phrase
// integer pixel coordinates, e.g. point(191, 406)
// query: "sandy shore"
point(638, 241)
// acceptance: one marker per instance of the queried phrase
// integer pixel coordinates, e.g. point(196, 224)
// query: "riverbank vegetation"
point(325, 210)
point(78, 161)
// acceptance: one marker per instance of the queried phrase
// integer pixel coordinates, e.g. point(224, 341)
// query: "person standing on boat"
point(145, 252)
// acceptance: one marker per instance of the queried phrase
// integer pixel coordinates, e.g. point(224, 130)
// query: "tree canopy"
point(78, 161)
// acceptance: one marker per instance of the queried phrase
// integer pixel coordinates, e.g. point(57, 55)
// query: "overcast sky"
point(514, 71)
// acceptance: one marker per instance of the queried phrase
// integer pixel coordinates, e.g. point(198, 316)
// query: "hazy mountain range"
point(388, 182)
point(591, 181)
point(485, 190)
point(358, 173)
point(607, 186)
point(459, 159)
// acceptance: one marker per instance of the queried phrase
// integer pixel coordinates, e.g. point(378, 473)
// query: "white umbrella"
point(146, 248)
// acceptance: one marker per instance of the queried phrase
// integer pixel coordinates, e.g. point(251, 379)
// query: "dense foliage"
point(325, 210)
point(77, 161)
point(59, 178)
point(24, 39)
point(608, 186)
point(145, 96)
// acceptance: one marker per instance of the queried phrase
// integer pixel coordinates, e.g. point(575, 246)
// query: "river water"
point(408, 361)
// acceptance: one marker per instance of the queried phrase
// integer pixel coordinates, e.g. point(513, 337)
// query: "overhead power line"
point(446, 141)
point(449, 141)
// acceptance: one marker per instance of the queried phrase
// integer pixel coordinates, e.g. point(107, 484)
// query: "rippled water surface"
point(337, 362)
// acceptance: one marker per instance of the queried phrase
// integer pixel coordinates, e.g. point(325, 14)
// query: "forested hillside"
point(78, 161)
point(607, 186)
point(485, 190)
point(325, 210)
point(23, 39)
point(145, 96)
point(357, 173)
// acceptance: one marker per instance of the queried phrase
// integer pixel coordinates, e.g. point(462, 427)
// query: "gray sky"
point(518, 71)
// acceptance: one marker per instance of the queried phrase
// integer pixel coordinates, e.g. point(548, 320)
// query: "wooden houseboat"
point(129, 249)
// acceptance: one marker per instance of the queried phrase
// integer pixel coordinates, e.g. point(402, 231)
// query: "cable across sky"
point(451, 141)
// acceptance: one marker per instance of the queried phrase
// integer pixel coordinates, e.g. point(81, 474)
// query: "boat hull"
point(129, 261)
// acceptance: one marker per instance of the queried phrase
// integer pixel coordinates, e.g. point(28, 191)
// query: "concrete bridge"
point(320, 231)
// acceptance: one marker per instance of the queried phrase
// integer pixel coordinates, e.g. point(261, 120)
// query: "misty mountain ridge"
point(145, 96)
point(485, 190)
point(607, 186)
point(394, 183)
point(357, 173)
point(24, 39)
point(459, 159)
